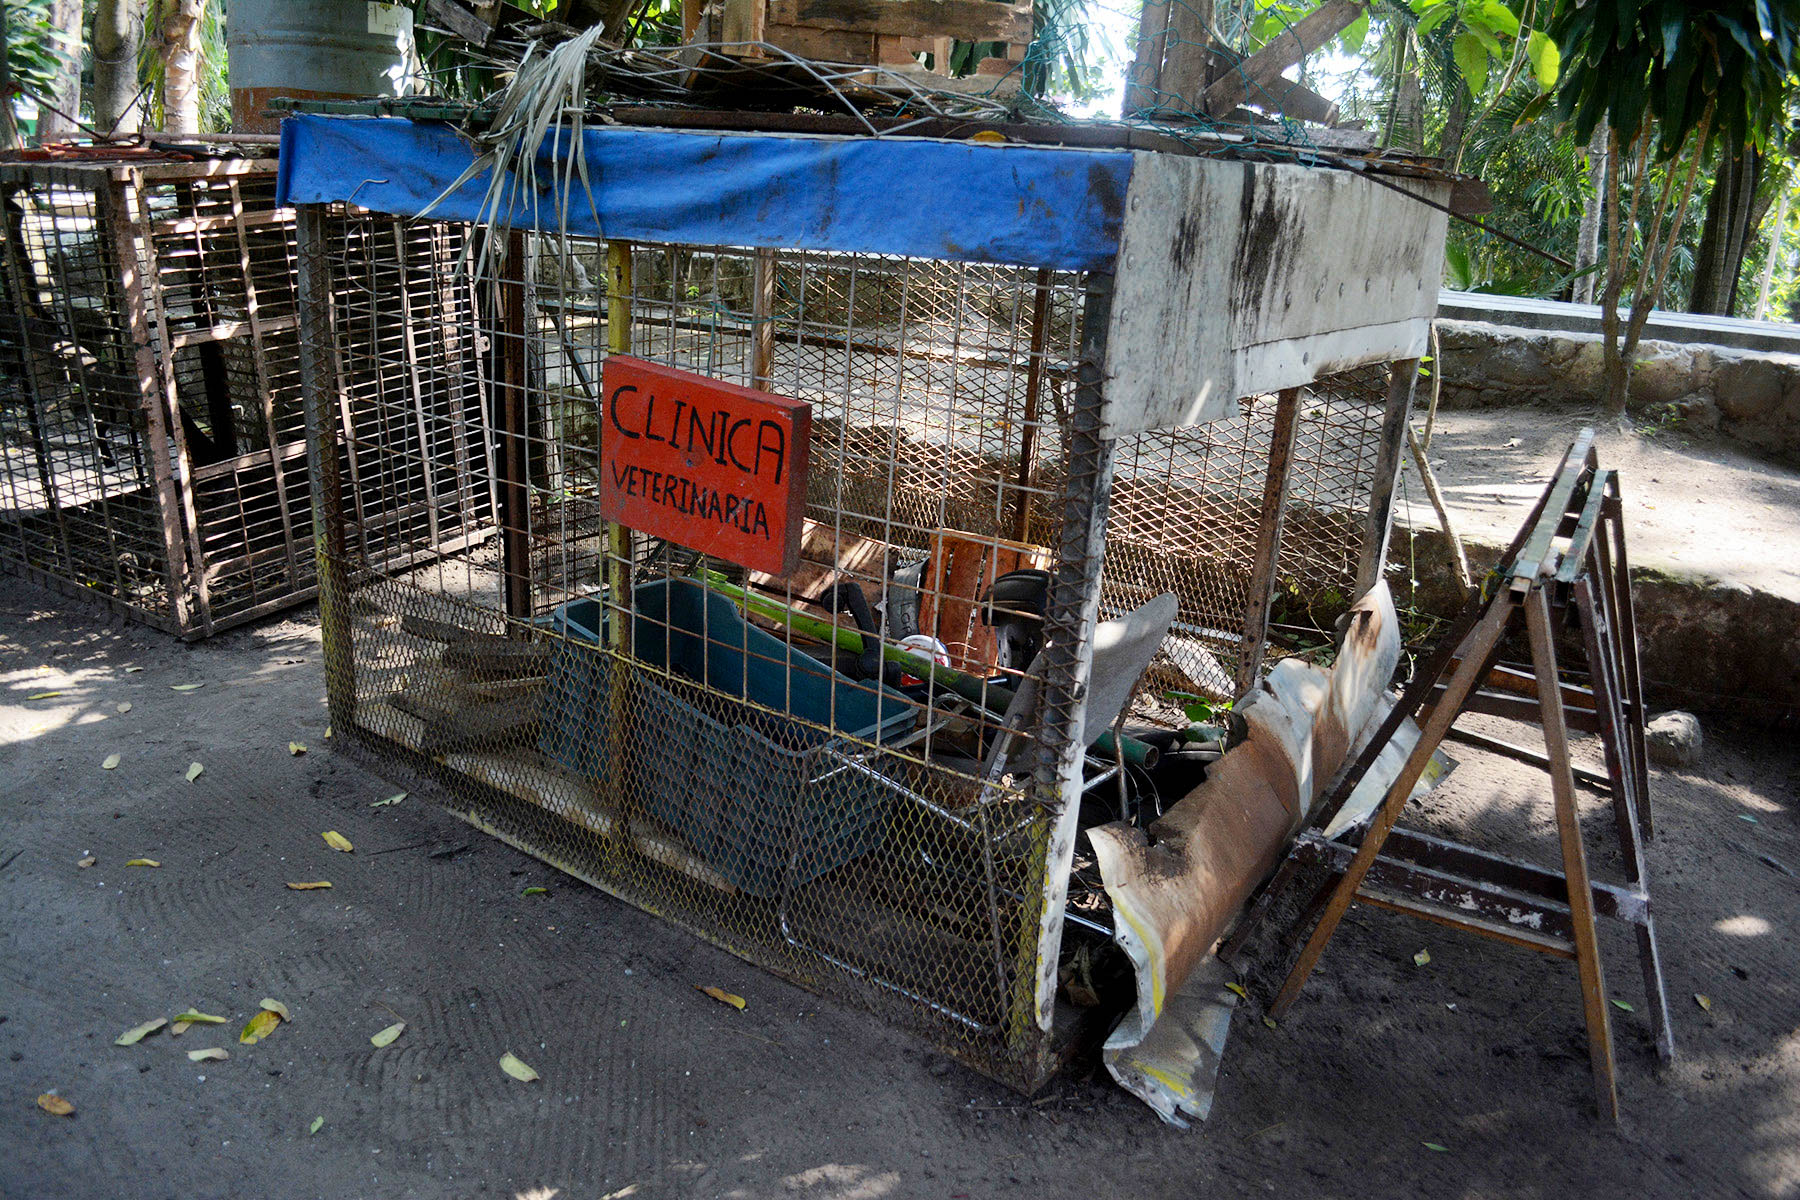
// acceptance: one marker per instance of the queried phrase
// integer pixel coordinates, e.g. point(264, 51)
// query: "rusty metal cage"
point(727, 748)
point(150, 407)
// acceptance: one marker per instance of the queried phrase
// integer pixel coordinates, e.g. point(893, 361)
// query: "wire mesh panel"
point(847, 772)
point(150, 403)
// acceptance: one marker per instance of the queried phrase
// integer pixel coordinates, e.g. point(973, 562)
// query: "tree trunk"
point(1719, 259)
point(57, 120)
point(178, 25)
point(117, 26)
point(9, 125)
point(1587, 242)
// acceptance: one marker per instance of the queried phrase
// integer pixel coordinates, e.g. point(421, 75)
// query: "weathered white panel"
point(1236, 279)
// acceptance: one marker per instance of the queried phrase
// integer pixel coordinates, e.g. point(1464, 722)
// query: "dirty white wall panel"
point(1237, 279)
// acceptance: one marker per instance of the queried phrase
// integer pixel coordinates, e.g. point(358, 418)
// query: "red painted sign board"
point(712, 466)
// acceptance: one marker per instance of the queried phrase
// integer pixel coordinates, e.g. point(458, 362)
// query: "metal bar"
point(410, 348)
point(1380, 521)
point(1574, 856)
point(1531, 560)
point(1597, 780)
point(1260, 594)
point(1034, 386)
point(260, 368)
point(1615, 579)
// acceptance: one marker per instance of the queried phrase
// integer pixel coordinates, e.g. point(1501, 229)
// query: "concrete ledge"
point(1707, 645)
point(1750, 396)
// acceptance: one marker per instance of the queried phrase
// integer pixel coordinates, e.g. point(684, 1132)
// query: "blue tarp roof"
point(1026, 205)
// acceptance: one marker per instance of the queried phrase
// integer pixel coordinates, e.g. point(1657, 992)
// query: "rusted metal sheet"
point(712, 466)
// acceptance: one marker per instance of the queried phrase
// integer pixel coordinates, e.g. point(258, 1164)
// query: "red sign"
point(712, 466)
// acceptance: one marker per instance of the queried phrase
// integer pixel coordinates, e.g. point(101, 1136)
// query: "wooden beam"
point(1262, 68)
point(967, 20)
point(1380, 521)
point(1260, 594)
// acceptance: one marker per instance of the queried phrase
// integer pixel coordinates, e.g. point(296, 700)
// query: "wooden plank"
point(1283, 51)
point(742, 21)
point(1260, 593)
point(964, 20)
point(1574, 855)
point(459, 20)
point(1379, 522)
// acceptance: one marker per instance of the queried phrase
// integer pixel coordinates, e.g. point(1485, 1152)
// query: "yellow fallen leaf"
point(87, 862)
point(296, 748)
point(125, 707)
point(179, 1028)
point(259, 1027)
point(310, 887)
point(194, 1017)
point(186, 687)
point(142, 862)
point(989, 137)
point(518, 1070)
point(276, 1007)
point(55, 1105)
point(137, 1033)
point(132, 670)
point(328, 733)
point(213, 1055)
point(1703, 1001)
point(723, 996)
point(109, 762)
point(43, 695)
point(194, 771)
point(386, 1037)
point(1421, 958)
point(1238, 988)
point(318, 1123)
point(1270, 1022)
point(394, 799)
point(337, 841)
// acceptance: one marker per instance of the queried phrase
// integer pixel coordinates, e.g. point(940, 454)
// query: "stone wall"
point(1750, 396)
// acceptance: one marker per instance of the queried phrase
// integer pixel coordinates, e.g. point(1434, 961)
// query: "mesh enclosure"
point(741, 752)
point(151, 421)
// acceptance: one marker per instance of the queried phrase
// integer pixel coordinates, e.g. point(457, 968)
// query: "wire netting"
point(728, 748)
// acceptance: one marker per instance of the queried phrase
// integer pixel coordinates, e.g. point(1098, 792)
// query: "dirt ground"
point(649, 1088)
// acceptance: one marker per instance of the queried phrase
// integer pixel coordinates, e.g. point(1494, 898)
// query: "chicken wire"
point(151, 421)
point(642, 717)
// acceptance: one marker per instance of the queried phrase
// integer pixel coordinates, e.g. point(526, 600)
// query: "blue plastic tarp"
point(1025, 205)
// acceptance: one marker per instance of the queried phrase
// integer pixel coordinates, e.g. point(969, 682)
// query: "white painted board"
point(1237, 279)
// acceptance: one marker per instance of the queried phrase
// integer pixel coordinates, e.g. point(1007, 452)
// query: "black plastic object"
point(1014, 606)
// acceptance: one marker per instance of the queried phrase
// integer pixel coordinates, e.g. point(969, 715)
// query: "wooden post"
point(1574, 854)
point(619, 285)
point(320, 389)
point(762, 318)
point(1380, 521)
point(1034, 386)
point(515, 496)
point(1260, 595)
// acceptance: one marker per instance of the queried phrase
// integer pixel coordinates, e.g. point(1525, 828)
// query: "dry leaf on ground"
point(87, 862)
point(723, 996)
point(137, 1033)
point(215, 1054)
point(1421, 958)
point(142, 862)
point(194, 771)
point(296, 748)
point(276, 1007)
point(1704, 1001)
point(259, 1027)
point(386, 1037)
point(125, 707)
point(179, 1028)
point(318, 1123)
point(55, 1105)
point(310, 887)
point(394, 799)
point(109, 762)
point(337, 841)
point(510, 1063)
point(186, 687)
point(43, 695)
point(195, 1017)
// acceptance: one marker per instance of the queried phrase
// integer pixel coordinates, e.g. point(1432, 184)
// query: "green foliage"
point(1668, 64)
point(35, 48)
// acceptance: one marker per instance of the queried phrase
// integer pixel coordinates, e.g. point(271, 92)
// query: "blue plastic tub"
point(761, 798)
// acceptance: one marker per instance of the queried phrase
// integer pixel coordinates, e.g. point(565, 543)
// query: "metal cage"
point(863, 841)
point(150, 405)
